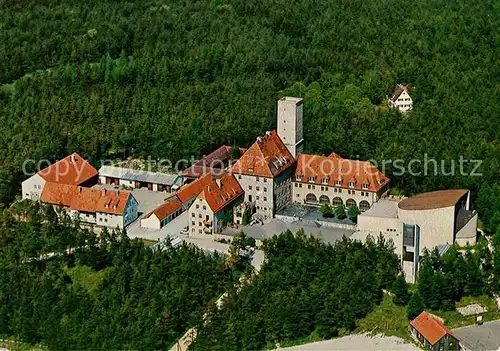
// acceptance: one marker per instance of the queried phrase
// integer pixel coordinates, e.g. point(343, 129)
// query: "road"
point(357, 342)
point(484, 337)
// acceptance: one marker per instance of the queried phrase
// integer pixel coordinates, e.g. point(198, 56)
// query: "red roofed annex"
point(432, 333)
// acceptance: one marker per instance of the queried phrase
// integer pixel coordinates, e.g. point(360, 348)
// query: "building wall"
point(259, 190)
point(85, 217)
point(403, 103)
point(290, 121)
point(130, 213)
point(199, 213)
point(32, 187)
point(467, 235)
point(151, 223)
point(282, 190)
point(301, 189)
point(109, 220)
point(436, 226)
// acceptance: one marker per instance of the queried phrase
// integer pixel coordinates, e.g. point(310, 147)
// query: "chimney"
point(103, 192)
point(259, 139)
point(268, 133)
point(217, 180)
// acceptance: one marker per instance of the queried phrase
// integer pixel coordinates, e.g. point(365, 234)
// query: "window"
point(265, 198)
point(313, 187)
point(308, 186)
point(265, 180)
point(325, 181)
point(311, 179)
point(249, 187)
point(298, 178)
point(354, 192)
point(197, 206)
point(256, 179)
point(338, 182)
point(340, 190)
point(351, 184)
point(239, 176)
point(199, 231)
point(199, 224)
point(265, 189)
point(204, 207)
point(257, 188)
point(295, 184)
point(192, 214)
point(365, 186)
point(199, 216)
point(300, 185)
point(257, 198)
point(192, 222)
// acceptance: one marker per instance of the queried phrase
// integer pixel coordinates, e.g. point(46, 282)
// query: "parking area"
point(276, 226)
point(484, 337)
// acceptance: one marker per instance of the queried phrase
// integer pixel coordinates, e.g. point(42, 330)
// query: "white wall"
point(403, 103)
point(290, 116)
point(262, 189)
point(199, 212)
point(467, 235)
point(152, 222)
point(109, 220)
point(32, 187)
point(437, 226)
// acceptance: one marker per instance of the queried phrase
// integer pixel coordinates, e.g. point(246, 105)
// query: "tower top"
point(289, 114)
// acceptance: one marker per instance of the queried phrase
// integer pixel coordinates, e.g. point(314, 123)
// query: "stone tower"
point(289, 113)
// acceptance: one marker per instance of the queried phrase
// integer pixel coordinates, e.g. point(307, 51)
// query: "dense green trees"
point(111, 293)
point(171, 80)
point(304, 286)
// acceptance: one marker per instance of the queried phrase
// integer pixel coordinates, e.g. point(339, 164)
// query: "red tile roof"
point(267, 157)
point(85, 199)
point(166, 209)
point(218, 194)
point(73, 170)
point(216, 160)
point(333, 168)
point(191, 190)
point(431, 328)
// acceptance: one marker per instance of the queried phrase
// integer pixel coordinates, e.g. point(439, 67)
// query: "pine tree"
point(415, 305)
point(400, 290)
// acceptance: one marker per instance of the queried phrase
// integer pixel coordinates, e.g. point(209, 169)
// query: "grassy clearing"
point(453, 319)
point(13, 345)
point(147, 242)
point(86, 277)
point(387, 319)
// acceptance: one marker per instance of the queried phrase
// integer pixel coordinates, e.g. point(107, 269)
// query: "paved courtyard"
point(276, 226)
point(484, 337)
point(148, 200)
point(358, 342)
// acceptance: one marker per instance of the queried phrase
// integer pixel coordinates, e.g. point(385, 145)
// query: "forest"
point(304, 286)
point(69, 289)
point(174, 79)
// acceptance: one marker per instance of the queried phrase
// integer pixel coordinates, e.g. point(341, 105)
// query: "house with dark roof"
point(107, 208)
point(215, 163)
point(430, 332)
point(336, 181)
point(71, 170)
point(264, 172)
point(401, 99)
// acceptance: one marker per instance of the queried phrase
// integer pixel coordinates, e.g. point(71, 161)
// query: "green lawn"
point(453, 319)
point(86, 277)
point(387, 319)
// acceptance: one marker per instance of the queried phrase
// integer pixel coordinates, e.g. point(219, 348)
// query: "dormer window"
point(365, 186)
point(338, 182)
point(311, 179)
point(351, 184)
point(298, 177)
point(381, 181)
point(324, 181)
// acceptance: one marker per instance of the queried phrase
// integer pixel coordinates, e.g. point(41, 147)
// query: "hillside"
point(177, 79)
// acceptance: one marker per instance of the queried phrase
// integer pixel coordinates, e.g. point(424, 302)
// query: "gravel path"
point(358, 342)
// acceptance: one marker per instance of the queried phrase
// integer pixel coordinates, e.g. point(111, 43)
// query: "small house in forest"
point(401, 99)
